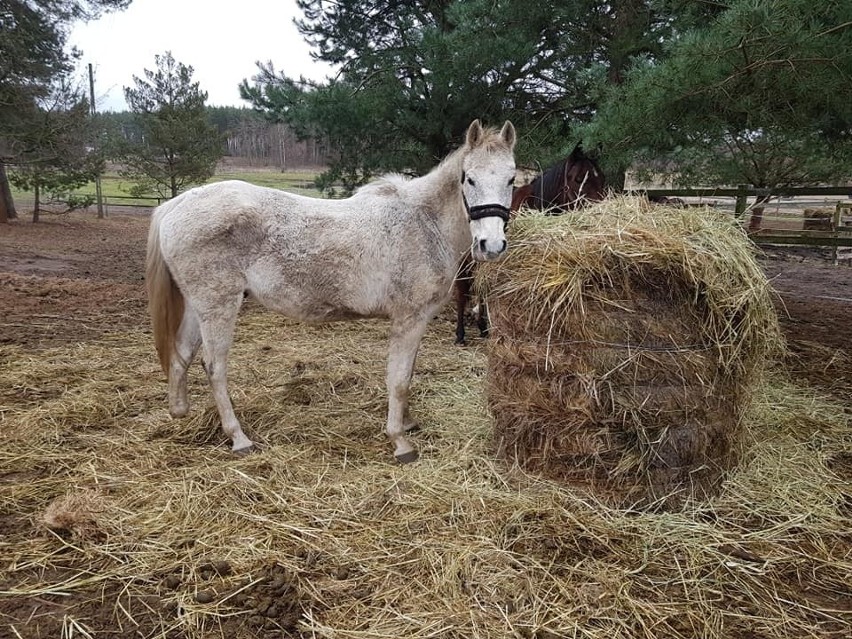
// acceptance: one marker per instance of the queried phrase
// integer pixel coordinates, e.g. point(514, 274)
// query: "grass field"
point(116, 189)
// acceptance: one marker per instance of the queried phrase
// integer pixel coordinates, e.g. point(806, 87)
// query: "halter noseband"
point(484, 210)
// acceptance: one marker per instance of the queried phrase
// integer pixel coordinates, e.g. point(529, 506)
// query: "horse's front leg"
point(461, 293)
point(404, 341)
point(462, 287)
point(482, 317)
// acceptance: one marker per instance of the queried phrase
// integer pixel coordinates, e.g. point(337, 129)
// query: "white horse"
point(391, 250)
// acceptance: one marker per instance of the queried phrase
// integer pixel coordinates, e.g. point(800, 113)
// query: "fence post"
point(742, 200)
point(835, 219)
point(835, 224)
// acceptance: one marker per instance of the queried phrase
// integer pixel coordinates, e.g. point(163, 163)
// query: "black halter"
point(484, 210)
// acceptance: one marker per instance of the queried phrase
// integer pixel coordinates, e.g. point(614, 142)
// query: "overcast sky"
point(221, 45)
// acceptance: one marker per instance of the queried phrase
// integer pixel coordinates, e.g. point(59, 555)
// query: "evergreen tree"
point(414, 74)
point(758, 95)
point(746, 90)
point(178, 145)
point(33, 58)
point(56, 154)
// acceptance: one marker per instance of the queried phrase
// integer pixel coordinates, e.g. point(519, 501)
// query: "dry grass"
point(322, 535)
point(627, 341)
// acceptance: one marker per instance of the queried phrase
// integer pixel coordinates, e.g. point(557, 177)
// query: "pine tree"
point(756, 95)
point(414, 74)
point(178, 146)
point(56, 155)
point(33, 59)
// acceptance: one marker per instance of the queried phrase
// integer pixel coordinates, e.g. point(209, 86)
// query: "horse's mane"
point(390, 184)
point(547, 186)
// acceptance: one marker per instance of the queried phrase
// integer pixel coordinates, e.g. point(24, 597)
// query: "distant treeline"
point(246, 135)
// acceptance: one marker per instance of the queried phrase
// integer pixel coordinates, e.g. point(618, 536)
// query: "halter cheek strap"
point(484, 210)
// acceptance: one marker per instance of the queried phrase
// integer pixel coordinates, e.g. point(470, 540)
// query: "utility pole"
point(93, 111)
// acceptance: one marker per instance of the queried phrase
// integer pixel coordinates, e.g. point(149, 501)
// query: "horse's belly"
point(307, 308)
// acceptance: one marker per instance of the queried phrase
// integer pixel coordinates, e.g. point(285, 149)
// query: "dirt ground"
point(74, 278)
point(814, 305)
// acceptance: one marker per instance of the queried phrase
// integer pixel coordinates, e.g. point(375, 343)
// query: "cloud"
point(221, 45)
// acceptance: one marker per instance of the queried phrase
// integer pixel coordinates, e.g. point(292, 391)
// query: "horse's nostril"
point(482, 245)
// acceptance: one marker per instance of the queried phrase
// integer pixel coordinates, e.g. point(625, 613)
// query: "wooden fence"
point(143, 202)
point(830, 231)
point(835, 231)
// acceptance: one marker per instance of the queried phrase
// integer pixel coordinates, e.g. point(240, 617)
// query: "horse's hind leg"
point(186, 346)
point(217, 332)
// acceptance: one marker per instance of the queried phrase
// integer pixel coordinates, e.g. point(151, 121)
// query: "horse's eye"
point(511, 181)
point(471, 182)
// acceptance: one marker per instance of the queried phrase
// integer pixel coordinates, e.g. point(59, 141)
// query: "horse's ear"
point(508, 134)
point(474, 133)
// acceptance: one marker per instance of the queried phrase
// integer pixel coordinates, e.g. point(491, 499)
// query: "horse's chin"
point(486, 256)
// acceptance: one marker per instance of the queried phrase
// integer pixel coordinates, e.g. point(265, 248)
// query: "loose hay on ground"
point(627, 341)
point(349, 545)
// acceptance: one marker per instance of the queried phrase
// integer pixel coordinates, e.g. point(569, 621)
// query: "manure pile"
point(626, 344)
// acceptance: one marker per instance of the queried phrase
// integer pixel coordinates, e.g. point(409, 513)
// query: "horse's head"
point(488, 173)
point(583, 180)
point(567, 185)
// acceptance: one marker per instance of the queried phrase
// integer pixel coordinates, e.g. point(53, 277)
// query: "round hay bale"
point(626, 340)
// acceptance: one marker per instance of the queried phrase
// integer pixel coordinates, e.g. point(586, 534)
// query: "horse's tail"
point(165, 301)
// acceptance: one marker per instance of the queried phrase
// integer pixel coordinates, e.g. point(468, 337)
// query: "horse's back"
point(231, 218)
point(209, 210)
point(307, 258)
point(212, 208)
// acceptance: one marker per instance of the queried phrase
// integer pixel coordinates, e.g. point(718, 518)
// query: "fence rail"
point(837, 231)
point(747, 191)
point(147, 202)
point(826, 238)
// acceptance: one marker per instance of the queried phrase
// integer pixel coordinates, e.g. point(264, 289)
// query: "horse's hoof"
point(460, 343)
point(247, 450)
point(407, 458)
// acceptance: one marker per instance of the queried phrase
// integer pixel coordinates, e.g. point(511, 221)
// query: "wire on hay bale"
point(626, 340)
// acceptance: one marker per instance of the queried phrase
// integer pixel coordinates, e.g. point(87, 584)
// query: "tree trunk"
point(173, 185)
point(616, 178)
point(7, 204)
point(629, 22)
point(757, 213)
point(37, 197)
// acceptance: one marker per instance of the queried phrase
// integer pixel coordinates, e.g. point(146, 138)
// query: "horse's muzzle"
point(488, 251)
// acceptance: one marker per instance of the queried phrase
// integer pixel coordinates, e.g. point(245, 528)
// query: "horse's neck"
point(440, 196)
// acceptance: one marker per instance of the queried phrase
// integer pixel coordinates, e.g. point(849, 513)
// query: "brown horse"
point(567, 185)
